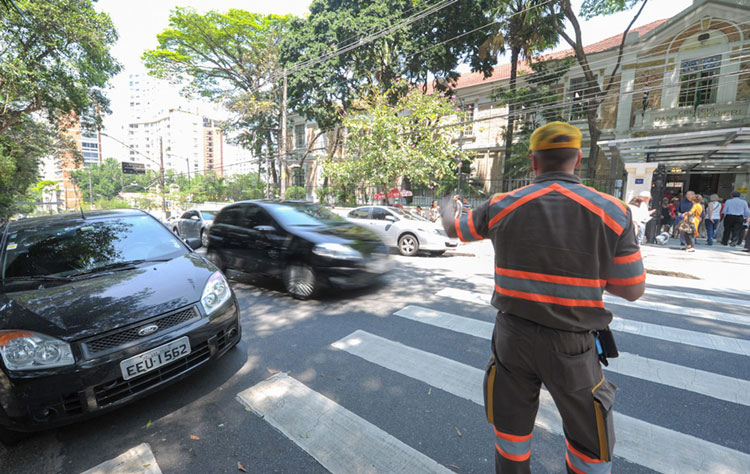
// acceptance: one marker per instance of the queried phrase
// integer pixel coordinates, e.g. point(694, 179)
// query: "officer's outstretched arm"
point(630, 292)
point(448, 217)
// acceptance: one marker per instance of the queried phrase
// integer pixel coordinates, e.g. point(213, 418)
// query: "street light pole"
point(460, 147)
point(161, 178)
point(91, 192)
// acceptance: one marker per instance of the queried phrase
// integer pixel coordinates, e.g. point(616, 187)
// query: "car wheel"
point(204, 238)
point(408, 245)
point(11, 438)
point(299, 281)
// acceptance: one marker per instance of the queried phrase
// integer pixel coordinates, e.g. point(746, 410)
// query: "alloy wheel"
point(408, 245)
point(299, 281)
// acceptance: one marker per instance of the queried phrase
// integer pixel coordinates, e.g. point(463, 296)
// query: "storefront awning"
point(725, 150)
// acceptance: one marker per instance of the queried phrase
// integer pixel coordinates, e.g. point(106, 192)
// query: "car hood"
point(91, 306)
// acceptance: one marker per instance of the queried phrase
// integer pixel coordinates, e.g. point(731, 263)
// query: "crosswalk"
point(344, 442)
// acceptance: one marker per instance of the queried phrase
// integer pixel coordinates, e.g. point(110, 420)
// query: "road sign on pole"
point(133, 168)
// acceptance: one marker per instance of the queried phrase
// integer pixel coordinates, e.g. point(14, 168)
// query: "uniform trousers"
point(525, 355)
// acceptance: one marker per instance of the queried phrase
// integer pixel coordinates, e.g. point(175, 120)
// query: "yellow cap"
point(555, 135)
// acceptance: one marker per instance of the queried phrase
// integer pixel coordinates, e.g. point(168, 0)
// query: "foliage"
point(541, 102)
point(387, 142)
point(105, 179)
point(55, 60)
point(408, 57)
point(22, 146)
point(295, 192)
point(228, 57)
point(592, 8)
point(112, 204)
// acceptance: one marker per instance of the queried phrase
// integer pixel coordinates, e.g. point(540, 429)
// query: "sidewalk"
point(713, 266)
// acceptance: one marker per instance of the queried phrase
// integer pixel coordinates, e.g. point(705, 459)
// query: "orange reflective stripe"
point(498, 197)
point(549, 299)
point(628, 281)
point(520, 202)
point(589, 282)
point(606, 218)
point(513, 457)
point(473, 229)
point(582, 456)
point(571, 466)
point(458, 228)
point(513, 438)
point(633, 257)
point(609, 198)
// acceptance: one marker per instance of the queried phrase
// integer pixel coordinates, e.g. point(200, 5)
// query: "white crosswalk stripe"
point(685, 378)
point(339, 440)
point(138, 460)
point(483, 298)
point(646, 444)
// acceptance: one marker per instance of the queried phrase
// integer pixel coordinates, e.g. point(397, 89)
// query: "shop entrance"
point(705, 184)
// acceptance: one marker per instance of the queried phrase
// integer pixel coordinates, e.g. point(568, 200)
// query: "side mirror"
point(391, 218)
point(193, 243)
point(265, 228)
point(195, 218)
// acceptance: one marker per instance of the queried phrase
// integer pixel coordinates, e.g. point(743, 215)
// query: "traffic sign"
point(133, 168)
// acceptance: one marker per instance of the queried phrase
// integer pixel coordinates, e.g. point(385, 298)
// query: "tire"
point(11, 438)
point(299, 281)
point(408, 245)
point(176, 231)
point(204, 238)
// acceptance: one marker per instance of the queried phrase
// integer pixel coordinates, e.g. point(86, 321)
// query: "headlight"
point(27, 350)
point(337, 251)
point(215, 294)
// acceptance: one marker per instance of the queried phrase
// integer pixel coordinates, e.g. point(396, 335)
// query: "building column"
point(639, 178)
point(625, 107)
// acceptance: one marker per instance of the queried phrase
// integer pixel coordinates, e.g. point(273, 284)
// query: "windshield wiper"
point(117, 266)
point(37, 278)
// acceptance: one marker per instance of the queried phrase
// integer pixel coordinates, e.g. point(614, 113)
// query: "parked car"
point(194, 224)
point(99, 310)
point(407, 232)
point(304, 244)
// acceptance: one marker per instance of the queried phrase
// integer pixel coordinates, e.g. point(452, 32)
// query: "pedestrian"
point(641, 213)
point(713, 216)
point(665, 216)
point(465, 204)
point(702, 227)
point(419, 211)
point(673, 212)
point(434, 211)
point(684, 207)
point(458, 207)
point(549, 301)
point(689, 225)
point(735, 212)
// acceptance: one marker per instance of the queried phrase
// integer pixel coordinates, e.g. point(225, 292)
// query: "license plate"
point(155, 358)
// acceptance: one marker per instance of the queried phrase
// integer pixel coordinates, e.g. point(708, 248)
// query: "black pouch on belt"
point(605, 345)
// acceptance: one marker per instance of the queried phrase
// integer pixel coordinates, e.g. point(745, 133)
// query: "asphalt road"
point(682, 405)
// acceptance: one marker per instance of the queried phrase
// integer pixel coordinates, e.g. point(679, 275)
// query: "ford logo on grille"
point(146, 330)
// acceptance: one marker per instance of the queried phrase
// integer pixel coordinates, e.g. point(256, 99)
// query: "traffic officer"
point(558, 246)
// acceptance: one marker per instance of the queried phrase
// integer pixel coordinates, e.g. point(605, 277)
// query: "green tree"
point(55, 63)
point(411, 139)
point(231, 58)
point(333, 55)
point(105, 180)
point(594, 94)
point(524, 29)
point(55, 60)
point(22, 145)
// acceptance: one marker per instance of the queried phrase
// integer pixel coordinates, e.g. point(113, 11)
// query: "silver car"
point(407, 232)
point(194, 224)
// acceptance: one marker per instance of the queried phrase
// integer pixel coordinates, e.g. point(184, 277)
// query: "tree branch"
point(622, 47)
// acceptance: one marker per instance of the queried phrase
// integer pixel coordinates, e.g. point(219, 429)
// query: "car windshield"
point(306, 215)
point(209, 215)
point(70, 248)
point(407, 215)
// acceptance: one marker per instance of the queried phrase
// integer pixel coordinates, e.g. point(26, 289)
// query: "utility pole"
point(282, 146)
point(460, 147)
point(161, 178)
point(91, 192)
point(187, 164)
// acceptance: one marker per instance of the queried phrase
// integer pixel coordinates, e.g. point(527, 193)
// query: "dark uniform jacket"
point(557, 245)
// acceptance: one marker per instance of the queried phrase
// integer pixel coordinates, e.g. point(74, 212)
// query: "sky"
point(139, 21)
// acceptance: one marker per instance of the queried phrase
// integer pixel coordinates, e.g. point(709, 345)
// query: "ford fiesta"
point(99, 310)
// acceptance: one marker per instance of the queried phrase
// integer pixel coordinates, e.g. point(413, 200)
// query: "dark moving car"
point(100, 310)
point(194, 224)
point(304, 244)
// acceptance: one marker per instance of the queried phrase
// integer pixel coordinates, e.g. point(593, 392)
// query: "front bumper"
point(38, 401)
point(354, 275)
point(434, 242)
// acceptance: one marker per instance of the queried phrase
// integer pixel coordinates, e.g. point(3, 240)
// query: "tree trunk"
point(594, 135)
point(497, 176)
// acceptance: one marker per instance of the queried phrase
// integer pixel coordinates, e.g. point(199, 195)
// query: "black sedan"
point(304, 244)
point(99, 310)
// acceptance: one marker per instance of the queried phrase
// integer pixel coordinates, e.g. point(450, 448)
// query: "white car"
point(403, 230)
